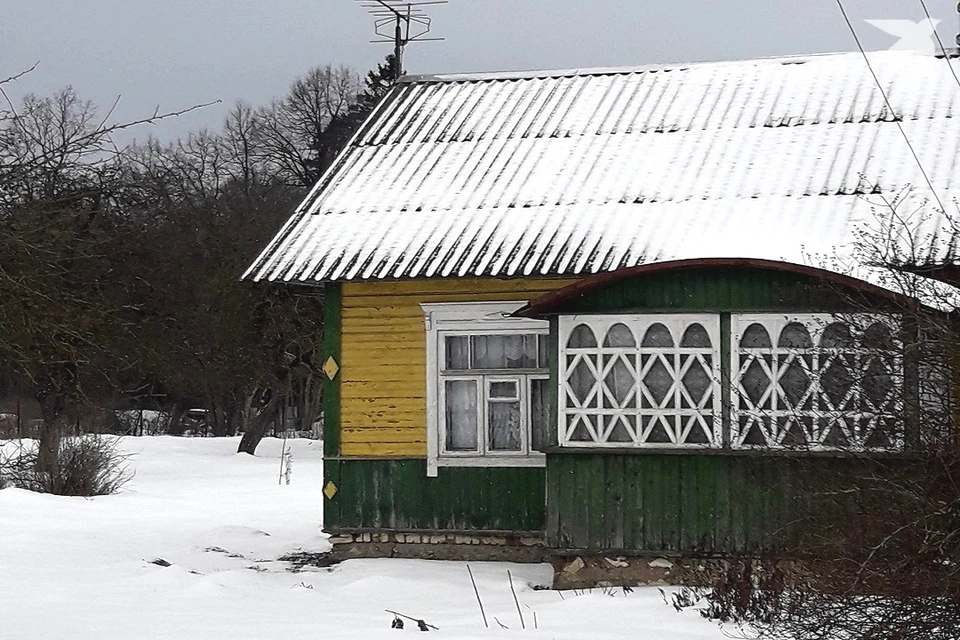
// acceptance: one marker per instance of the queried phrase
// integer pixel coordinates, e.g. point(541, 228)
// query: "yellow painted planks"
point(383, 352)
point(416, 386)
point(384, 449)
point(381, 435)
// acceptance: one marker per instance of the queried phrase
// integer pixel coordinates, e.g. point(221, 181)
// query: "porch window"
point(486, 385)
point(816, 382)
point(640, 381)
point(798, 381)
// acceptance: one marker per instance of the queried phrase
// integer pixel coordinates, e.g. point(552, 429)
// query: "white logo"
point(913, 36)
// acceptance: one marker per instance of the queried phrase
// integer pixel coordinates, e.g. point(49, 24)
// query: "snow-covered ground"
point(83, 568)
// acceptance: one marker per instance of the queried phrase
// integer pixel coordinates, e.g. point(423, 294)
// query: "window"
point(640, 381)
point(486, 385)
point(817, 382)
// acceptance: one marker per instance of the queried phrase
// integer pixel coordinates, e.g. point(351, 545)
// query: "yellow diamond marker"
point(330, 367)
point(330, 490)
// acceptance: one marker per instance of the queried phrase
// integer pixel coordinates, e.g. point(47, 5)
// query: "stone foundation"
point(438, 546)
point(586, 571)
point(571, 571)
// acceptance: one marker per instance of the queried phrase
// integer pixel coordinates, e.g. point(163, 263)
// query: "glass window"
point(457, 353)
point(539, 413)
point(489, 414)
point(842, 393)
point(655, 394)
point(460, 408)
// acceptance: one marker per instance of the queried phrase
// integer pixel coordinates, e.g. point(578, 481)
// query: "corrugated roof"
point(574, 172)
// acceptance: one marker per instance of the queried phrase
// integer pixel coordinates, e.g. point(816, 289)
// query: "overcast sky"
point(175, 53)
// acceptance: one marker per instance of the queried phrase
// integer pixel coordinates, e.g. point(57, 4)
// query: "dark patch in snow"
point(160, 562)
point(302, 559)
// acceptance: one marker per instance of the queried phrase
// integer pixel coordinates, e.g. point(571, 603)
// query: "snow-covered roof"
point(582, 171)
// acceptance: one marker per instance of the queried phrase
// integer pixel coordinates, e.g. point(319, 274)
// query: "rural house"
point(618, 313)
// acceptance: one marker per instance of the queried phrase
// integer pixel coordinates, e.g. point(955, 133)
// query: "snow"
point(560, 173)
point(83, 568)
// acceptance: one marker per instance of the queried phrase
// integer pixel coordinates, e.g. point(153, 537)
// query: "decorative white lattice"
point(640, 381)
point(816, 382)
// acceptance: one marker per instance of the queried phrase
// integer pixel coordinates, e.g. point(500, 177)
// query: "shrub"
point(89, 465)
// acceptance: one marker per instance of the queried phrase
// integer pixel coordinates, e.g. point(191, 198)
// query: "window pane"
point(542, 351)
point(582, 338)
point(836, 336)
point(504, 389)
point(619, 335)
point(461, 415)
point(504, 426)
point(657, 335)
point(504, 352)
point(755, 337)
point(457, 353)
point(795, 336)
point(539, 414)
point(695, 336)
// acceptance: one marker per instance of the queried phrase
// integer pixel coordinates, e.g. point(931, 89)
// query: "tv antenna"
point(409, 21)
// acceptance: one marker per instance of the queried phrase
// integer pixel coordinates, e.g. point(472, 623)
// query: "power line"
point(943, 49)
point(886, 99)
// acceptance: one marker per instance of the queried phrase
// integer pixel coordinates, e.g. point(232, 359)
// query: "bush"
point(89, 465)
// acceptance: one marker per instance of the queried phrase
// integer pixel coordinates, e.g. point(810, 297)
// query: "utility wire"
point(943, 49)
point(886, 99)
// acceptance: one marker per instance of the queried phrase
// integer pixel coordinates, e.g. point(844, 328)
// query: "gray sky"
point(176, 53)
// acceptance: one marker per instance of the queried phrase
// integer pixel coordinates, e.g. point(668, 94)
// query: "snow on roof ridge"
point(616, 70)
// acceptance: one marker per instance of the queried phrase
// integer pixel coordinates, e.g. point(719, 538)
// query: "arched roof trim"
point(550, 302)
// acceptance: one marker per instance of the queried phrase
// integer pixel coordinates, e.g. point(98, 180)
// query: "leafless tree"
point(59, 279)
point(297, 136)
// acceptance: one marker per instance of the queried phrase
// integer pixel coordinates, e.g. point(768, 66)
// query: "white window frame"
point(815, 323)
point(473, 318)
point(638, 324)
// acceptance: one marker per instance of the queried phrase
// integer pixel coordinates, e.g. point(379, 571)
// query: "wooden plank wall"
point(397, 494)
point(383, 356)
point(695, 504)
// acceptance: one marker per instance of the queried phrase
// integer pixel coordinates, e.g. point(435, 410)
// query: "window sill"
point(493, 461)
point(741, 453)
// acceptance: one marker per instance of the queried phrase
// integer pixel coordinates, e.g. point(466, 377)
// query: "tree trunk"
point(51, 431)
point(257, 427)
point(175, 426)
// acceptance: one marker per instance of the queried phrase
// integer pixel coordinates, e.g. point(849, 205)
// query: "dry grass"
point(90, 465)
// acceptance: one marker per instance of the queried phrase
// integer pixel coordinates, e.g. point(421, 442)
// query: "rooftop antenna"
point(409, 21)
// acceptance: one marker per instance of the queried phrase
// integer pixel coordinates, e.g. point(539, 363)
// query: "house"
point(620, 312)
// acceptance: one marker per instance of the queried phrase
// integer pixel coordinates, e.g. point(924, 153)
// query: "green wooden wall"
point(398, 495)
point(693, 504)
point(715, 289)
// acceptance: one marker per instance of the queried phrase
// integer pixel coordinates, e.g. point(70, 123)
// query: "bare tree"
point(295, 136)
point(67, 324)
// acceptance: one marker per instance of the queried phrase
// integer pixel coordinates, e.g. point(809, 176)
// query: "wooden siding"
point(397, 494)
point(691, 504)
point(731, 289)
point(383, 353)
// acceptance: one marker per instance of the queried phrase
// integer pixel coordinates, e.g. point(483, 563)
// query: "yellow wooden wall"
point(383, 355)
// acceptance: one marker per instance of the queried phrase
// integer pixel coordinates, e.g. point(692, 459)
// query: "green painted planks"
point(714, 289)
point(332, 322)
point(397, 494)
point(687, 504)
